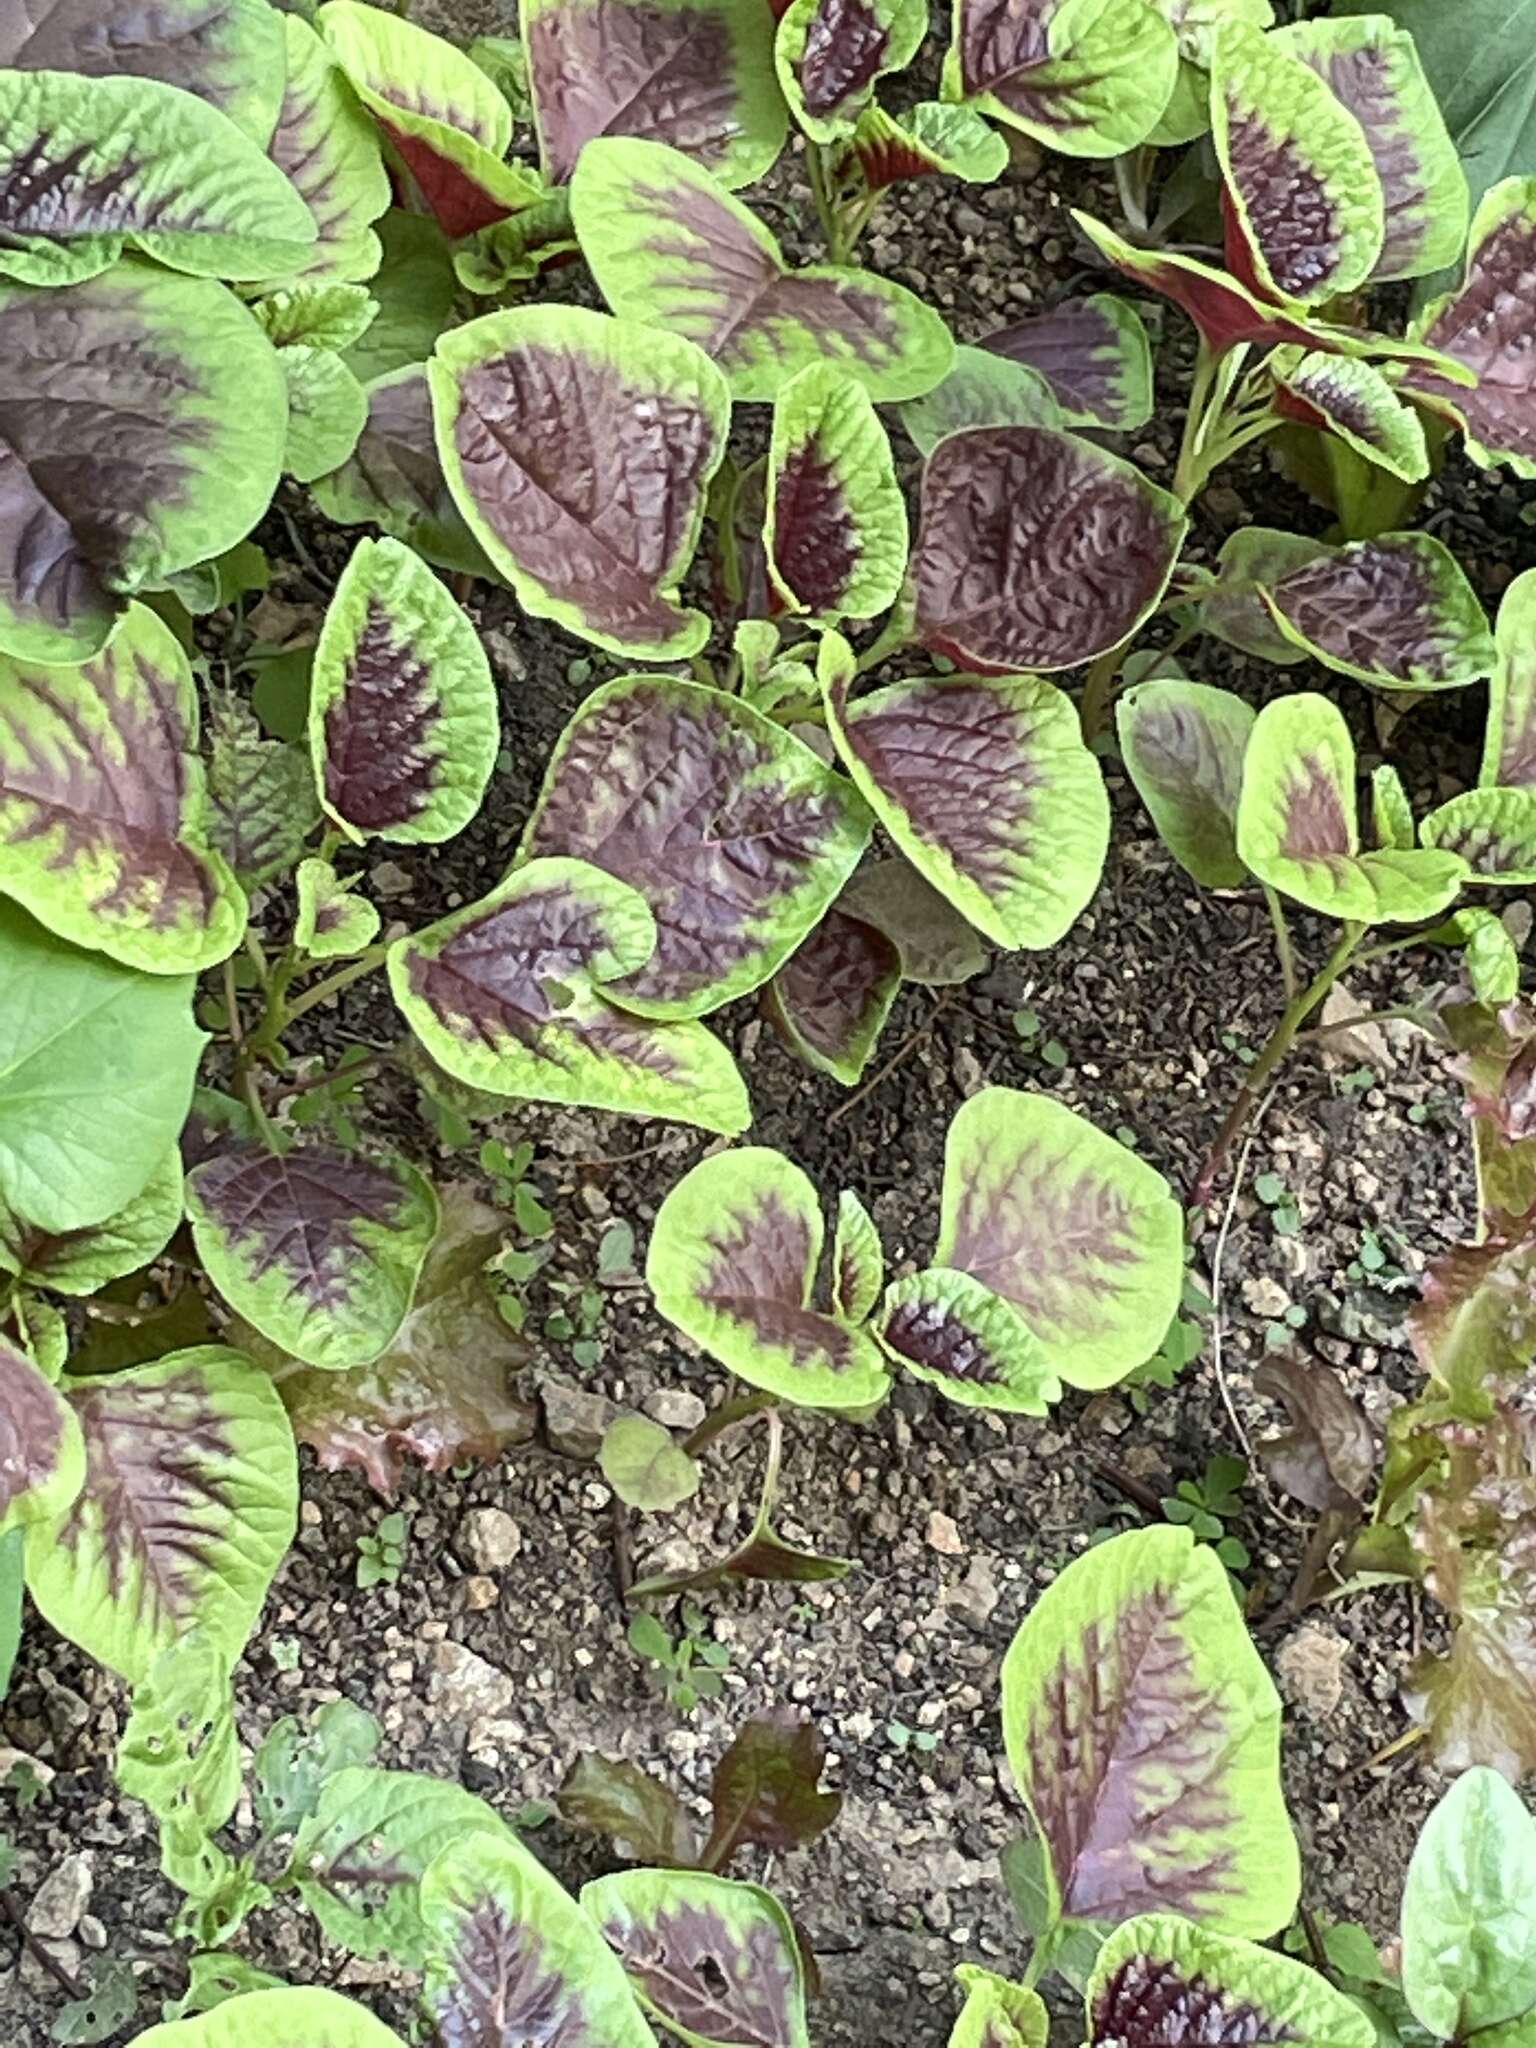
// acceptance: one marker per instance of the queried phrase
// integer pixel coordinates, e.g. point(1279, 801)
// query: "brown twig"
point(908, 1045)
point(38, 1950)
point(623, 1553)
point(1135, 1490)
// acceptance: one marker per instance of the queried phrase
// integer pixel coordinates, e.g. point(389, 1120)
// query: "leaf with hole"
point(297, 1758)
point(179, 1752)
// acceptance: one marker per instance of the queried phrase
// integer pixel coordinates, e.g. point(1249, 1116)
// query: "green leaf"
point(1391, 812)
point(1134, 1670)
point(1183, 745)
point(296, 1760)
point(12, 1546)
point(1469, 1910)
point(306, 2016)
point(42, 1455)
point(1074, 1945)
point(213, 1978)
point(327, 411)
point(1509, 748)
point(415, 289)
point(982, 390)
point(830, 56)
point(329, 150)
point(315, 313)
point(645, 1468)
point(262, 804)
point(733, 1262)
point(96, 1071)
point(84, 1261)
point(858, 1261)
point(179, 1752)
point(1223, 1992)
point(333, 922)
point(1088, 80)
point(835, 533)
point(997, 2014)
point(1492, 830)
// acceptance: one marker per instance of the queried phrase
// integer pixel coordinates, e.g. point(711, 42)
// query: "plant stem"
point(725, 1417)
point(1411, 1012)
point(333, 984)
point(1186, 475)
point(826, 213)
point(1099, 689)
point(1282, 942)
point(1281, 1039)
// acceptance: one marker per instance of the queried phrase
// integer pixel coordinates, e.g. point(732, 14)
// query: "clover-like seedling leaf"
point(1509, 748)
point(697, 74)
point(329, 150)
point(1352, 399)
point(449, 123)
point(1493, 831)
point(1372, 68)
point(986, 785)
point(714, 1961)
point(1469, 1910)
point(138, 160)
point(836, 525)
point(85, 1260)
point(1143, 1733)
point(734, 832)
point(441, 1389)
point(1067, 1224)
point(1161, 1983)
point(670, 246)
point(103, 806)
point(42, 1452)
point(938, 948)
point(1488, 325)
point(830, 999)
point(931, 140)
point(982, 390)
point(303, 2014)
point(1306, 213)
point(858, 1260)
point(96, 1073)
point(333, 922)
point(509, 995)
point(190, 1502)
point(1094, 355)
point(262, 804)
point(733, 1262)
point(1038, 550)
point(645, 1467)
point(578, 449)
point(320, 1249)
point(949, 1329)
point(1183, 745)
point(403, 726)
point(831, 54)
point(1397, 612)
point(118, 478)
point(1087, 81)
point(997, 2013)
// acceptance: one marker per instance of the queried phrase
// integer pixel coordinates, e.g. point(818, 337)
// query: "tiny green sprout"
point(533, 1813)
point(897, 1734)
point(1205, 1505)
point(7, 1859)
point(1357, 1080)
point(381, 1555)
point(1027, 1024)
point(1284, 1216)
point(1126, 1136)
point(284, 1652)
point(23, 1783)
point(692, 1665)
point(1054, 1053)
point(616, 1251)
point(452, 1128)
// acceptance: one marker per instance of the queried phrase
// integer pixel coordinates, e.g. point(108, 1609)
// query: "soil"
point(953, 1520)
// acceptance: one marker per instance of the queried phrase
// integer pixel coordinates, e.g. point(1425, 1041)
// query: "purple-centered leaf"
point(1397, 612)
point(670, 246)
point(832, 53)
point(734, 832)
point(1068, 1225)
point(1161, 1983)
point(104, 828)
point(836, 525)
point(858, 1260)
point(733, 1264)
point(42, 1455)
point(950, 1330)
point(1093, 353)
point(441, 1390)
point(510, 996)
point(1352, 399)
point(329, 150)
point(1183, 745)
point(644, 1819)
point(511, 1957)
point(697, 74)
point(831, 998)
point(1326, 1459)
point(578, 449)
point(766, 1790)
point(320, 1249)
point(403, 724)
point(931, 140)
point(986, 785)
point(1088, 82)
point(714, 1961)
point(141, 427)
point(190, 1500)
point(1509, 749)
point(1493, 830)
point(1037, 550)
point(1143, 1733)
point(1489, 326)
point(333, 921)
point(938, 948)
point(1236, 607)
point(262, 804)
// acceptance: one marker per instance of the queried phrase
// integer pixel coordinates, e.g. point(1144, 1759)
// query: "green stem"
point(1412, 1013)
point(1099, 689)
point(1282, 942)
point(826, 212)
point(895, 634)
point(333, 984)
point(858, 220)
point(703, 671)
point(1186, 479)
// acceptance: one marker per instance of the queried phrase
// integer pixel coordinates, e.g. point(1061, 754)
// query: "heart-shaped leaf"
point(1509, 750)
point(329, 150)
point(1493, 830)
point(716, 1962)
point(836, 525)
point(831, 998)
point(1397, 612)
point(986, 785)
point(858, 1260)
point(1037, 550)
point(981, 390)
point(262, 804)
point(1095, 356)
point(1352, 399)
point(104, 828)
point(1088, 81)
point(831, 54)
point(1469, 1910)
point(1144, 1736)
point(510, 1955)
point(333, 923)
point(697, 74)
point(190, 1501)
point(950, 1330)
point(1489, 326)
point(669, 245)
point(734, 832)
point(96, 1072)
point(42, 1453)
point(930, 140)
point(84, 1261)
point(1306, 213)
point(733, 1262)
point(141, 429)
point(508, 996)
point(1183, 745)
point(1084, 1238)
point(403, 725)
point(302, 2014)
point(578, 449)
point(1372, 68)
point(1161, 1983)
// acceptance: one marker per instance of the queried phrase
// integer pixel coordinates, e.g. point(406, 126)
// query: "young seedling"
point(381, 1555)
point(691, 1664)
point(1206, 1505)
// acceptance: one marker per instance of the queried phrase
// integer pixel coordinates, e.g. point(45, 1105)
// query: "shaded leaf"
point(1094, 356)
point(1326, 1459)
point(327, 411)
point(1183, 746)
point(414, 289)
point(1236, 606)
point(967, 1341)
point(1486, 325)
point(981, 390)
point(1089, 82)
point(262, 804)
point(296, 1759)
point(329, 150)
point(858, 1260)
point(642, 1817)
point(645, 1468)
point(1161, 1983)
point(42, 1456)
point(830, 999)
point(938, 948)
point(836, 524)
point(766, 1789)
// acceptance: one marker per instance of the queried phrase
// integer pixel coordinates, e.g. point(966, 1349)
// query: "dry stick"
point(36, 1949)
point(908, 1044)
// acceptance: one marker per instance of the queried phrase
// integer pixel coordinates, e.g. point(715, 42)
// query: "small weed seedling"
point(691, 1666)
point(1204, 1506)
point(1284, 1215)
point(381, 1555)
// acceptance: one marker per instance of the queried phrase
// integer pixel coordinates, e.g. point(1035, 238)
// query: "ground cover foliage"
point(879, 605)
